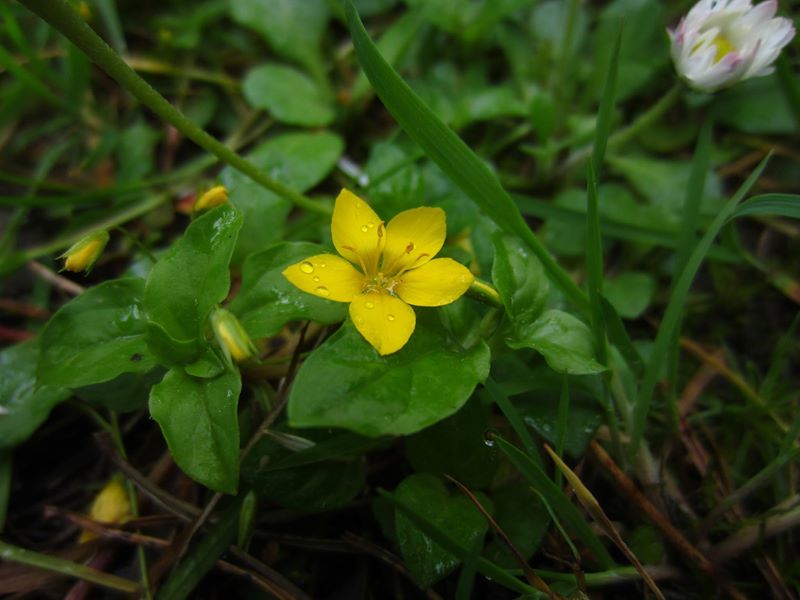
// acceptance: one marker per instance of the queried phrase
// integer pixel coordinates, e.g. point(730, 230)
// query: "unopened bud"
point(82, 255)
point(214, 197)
point(231, 336)
point(111, 505)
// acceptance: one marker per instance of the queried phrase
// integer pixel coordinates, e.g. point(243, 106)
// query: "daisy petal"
point(327, 276)
point(413, 237)
point(357, 231)
point(385, 321)
point(439, 282)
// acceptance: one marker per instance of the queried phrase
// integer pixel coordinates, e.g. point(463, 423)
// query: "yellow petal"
point(327, 276)
point(438, 282)
point(357, 232)
point(413, 237)
point(385, 321)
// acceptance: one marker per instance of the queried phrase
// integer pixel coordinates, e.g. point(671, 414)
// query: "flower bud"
point(111, 505)
point(231, 336)
point(214, 197)
point(82, 255)
point(721, 42)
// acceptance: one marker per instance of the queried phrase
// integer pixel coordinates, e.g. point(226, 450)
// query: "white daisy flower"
point(721, 42)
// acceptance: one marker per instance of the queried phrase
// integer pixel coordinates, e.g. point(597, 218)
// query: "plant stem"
point(623, 136)
point(60, 15)
point(486, 293)
point(65, 567)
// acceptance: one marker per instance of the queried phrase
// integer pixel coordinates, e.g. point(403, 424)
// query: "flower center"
point(723, 46)
point(380, 284)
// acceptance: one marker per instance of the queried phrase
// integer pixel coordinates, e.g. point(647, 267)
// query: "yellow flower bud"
point(231, 336)
point(214, 197)
point(111, 505)
point(82, 255)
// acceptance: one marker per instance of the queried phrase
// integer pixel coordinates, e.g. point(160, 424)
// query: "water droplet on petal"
point(323, 265)
point(323, 291)
point(315, 278)
point(370, 224)
point(306, 267)
point(410, 247)
point(364, 228)
point(369, 304)
point(390, 317)
point(360, 321)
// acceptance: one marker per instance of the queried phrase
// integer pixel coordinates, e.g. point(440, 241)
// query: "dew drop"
point(315, 278)
point(410, 247)
point(306, 267)
point(364, 228)
point(322, 291)
point(370, 224)
point(390, 317)
point(323, 265)
point(369, 304)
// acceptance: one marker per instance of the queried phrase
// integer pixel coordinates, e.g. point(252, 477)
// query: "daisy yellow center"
point(723, 46)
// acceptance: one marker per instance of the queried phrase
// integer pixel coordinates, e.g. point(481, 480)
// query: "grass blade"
point(694, 195)
point(450, 153)
point(606, 111)
point(556, 499)
point(770, 205)
point(666, 331)
point(483, 565)
point(499, 397)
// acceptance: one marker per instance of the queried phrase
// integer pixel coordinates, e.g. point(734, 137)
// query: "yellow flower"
point(231, 336)
point(82, 255)
point(214, 197)
point(394, 267)
point(111, 505)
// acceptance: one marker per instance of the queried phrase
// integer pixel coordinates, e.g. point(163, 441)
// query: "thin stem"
point(60, 15)
point(623, 136)
point(65, 567)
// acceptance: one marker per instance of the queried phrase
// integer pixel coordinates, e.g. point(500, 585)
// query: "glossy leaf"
point(520, 279)
point(563, 340)
point(97, 336)
point(288, 95)
point(456, 447)
point(520, 513)
point(778, 205)
point(454, 513)
point(25, 403)
point(198, 418)
point(191, 278)
point(267, 301)
point(299, 160)
point(346, 383)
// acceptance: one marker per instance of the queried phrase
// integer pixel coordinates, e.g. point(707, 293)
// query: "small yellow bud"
point(82, 255)
point(231, 336)
point(214, 197)
point(84, 11)
point(111, 505)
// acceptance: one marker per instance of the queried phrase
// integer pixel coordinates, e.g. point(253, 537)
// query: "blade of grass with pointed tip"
point(592, 506)
point(594, 266)
point(450, 153)
point(560, 504)
point(483, 565)
point(665, 336)
point(606, 110)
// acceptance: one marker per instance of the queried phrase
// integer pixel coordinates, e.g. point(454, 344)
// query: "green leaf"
point(293, 29)
point(299, 160)
point(96, 337)
point(128, 392)
point(288, 95)
point(191, 278)
point(630, 293)
point(520, 279)
point(456, 447)
point(199, 420)
point(136, 152)
point(24, 404)
point(267, 301)
point(427, 495)
point(346, 383)
point(563, 340)
point(557, 500)
point(756, 106)
point(450, 153)
point(519, 512)
point(774, 205)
